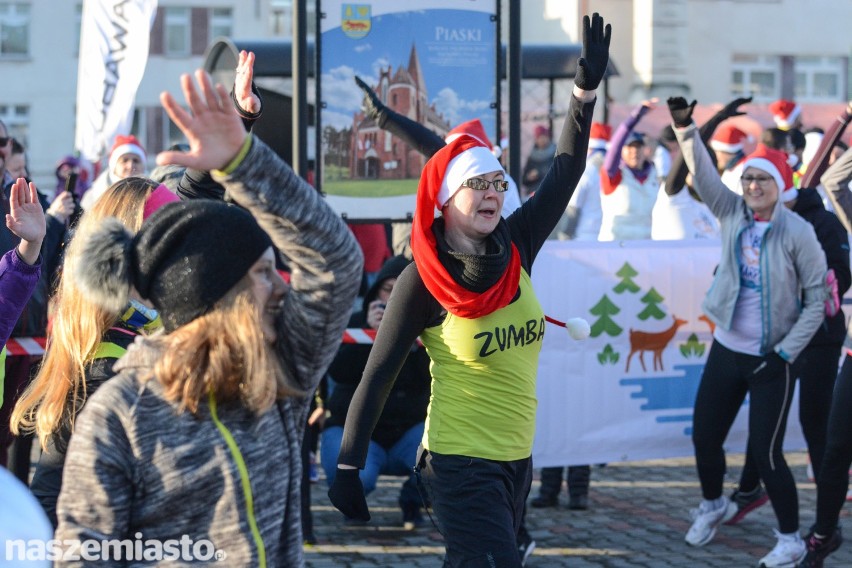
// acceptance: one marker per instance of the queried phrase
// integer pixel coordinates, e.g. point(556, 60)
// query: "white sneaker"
point(707, 520)
point(788, 552)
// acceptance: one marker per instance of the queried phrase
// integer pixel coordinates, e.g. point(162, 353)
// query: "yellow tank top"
point(484, 370)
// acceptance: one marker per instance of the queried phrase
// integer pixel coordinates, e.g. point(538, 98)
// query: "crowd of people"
point(195, 317)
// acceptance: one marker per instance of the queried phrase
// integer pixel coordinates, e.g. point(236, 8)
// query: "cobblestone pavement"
point(638, 516)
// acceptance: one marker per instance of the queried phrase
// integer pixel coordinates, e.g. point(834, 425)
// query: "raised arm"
point(324, 257)
point(706, 180)
point(819, 163)
point(836, 180)
point(412, 133)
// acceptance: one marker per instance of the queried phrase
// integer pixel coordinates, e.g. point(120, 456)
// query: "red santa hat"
point(599, 135)
point(474, 129)
point(728, 138)
point(774, 163)
point(785, 113)
point(473, 161)
point(125, 145)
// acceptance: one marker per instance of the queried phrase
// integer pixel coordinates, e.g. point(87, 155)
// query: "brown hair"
point(224, 352)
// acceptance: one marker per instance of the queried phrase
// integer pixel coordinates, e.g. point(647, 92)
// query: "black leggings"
point(833, 479)
point(727, 377)
point(816, 369)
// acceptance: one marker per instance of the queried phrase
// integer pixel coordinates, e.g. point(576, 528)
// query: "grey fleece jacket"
point(792, 263)
point(136, 465)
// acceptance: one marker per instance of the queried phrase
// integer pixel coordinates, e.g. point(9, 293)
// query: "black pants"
point(833, 479)
point(479, 504)
point(816, 369)
point(578, 481)
point(728, 377)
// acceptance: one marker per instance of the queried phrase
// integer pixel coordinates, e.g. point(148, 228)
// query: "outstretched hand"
point(371, 103)
point(732, 109)
point(212, 127)
point(681, 111)
point(594, 56)
point(243, 94)
point(26, 219)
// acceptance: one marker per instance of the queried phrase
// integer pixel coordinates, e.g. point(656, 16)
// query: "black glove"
point(732, 108)
point(347, 495)
point(373, 107)
point(595, 54)
point(681, 111)
point(772, 366)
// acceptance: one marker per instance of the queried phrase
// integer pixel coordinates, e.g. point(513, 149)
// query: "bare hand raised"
point(212, 127)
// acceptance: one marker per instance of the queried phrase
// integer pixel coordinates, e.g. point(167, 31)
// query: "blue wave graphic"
point(669, 393)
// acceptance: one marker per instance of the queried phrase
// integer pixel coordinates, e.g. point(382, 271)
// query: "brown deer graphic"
point(642, 341)
point(709, 322)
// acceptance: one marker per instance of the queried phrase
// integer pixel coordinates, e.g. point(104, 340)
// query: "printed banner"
point(114, 42)
point(626, 393)
point(432, 61)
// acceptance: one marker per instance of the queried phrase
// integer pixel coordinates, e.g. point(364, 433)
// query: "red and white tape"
point(35, 345)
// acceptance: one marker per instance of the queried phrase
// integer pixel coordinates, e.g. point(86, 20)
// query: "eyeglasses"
point(480, 184)
point(760, 180)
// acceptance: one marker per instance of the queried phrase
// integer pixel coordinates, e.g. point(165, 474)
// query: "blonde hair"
point(223, 352)
point(54, 397)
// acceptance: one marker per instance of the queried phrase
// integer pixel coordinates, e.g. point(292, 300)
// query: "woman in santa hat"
point(766, 301)
point(469, 298)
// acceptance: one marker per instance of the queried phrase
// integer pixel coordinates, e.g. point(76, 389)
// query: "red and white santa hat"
point(599, 136)
point(473, 160)
point(784, 113)
point(728, 138)
point(774, 163)
point(474, 129)
point(125, 145)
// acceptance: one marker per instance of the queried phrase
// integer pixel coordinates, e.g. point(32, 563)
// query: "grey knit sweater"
point(137, 465)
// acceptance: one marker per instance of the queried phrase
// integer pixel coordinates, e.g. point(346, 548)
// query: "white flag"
point(113, 52)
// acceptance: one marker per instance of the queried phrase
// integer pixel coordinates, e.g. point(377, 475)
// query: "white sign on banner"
point(622, 396)
point(114, 40)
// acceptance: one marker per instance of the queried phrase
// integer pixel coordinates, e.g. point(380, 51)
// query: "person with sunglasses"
point(766, 301)
point(469, 297)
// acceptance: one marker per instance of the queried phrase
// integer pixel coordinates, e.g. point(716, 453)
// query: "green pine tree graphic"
point(626, 273)
point(652, 309)
point(608, 356)
point(604, 309)
point(692, 347)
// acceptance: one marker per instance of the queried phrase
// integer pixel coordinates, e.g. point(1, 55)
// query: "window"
point(820, 79)
point(177, 31)
point(14, 29)
point(757, 76)
point(221, 23)
point(281, 18)
point(17, 120)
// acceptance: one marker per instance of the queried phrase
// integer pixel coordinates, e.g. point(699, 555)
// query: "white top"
point(746, 329)
point(681, 216)
point(587, 200)
point(21, 519)
point(627, 210)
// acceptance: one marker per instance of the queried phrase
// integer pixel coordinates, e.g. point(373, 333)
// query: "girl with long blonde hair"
point(84, 343)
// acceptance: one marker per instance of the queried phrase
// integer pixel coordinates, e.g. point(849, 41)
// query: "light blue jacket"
point(792, 263)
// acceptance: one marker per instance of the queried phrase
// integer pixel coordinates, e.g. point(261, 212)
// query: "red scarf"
point(452, 296)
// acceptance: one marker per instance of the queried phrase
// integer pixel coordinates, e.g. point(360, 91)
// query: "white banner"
point(592, 408)
point(114, 42)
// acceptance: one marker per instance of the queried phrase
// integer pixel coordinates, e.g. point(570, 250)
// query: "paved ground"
point(638, 516)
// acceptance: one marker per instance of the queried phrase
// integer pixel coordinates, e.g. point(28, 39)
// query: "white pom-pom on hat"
point(578, 328)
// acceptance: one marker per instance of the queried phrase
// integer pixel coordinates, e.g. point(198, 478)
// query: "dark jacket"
point(409, 397)
point(835, 243)
point(47, 480)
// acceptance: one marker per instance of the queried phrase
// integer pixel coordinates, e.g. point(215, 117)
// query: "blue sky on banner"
point(456, 50)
